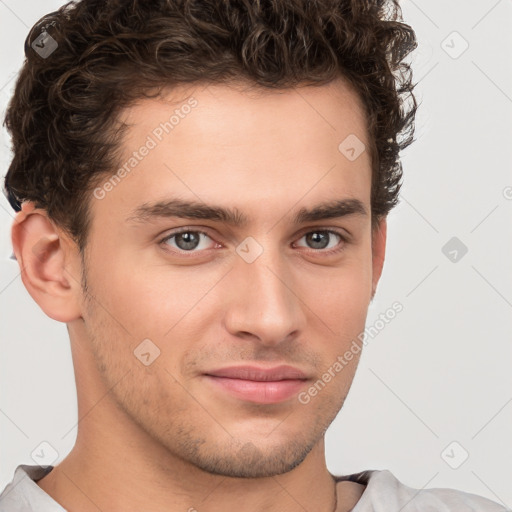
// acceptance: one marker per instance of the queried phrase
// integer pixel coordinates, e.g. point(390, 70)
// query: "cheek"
point(344, 311)
point(342, 305)
point(150, 299)
point(341, 297)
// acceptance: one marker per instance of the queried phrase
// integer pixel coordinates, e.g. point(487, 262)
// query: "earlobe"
point(47, 264)
point(379, 236)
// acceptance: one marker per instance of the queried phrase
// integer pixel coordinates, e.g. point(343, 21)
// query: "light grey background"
point(440, 371)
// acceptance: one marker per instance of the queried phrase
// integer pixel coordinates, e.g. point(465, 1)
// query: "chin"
point(249, 461)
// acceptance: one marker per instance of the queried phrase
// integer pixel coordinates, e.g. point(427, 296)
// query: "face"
point(228, 268)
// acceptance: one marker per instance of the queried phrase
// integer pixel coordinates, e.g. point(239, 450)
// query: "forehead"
point(226, 109)
point(245, 147)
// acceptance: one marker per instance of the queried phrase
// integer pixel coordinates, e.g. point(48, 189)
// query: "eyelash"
point(343, 241)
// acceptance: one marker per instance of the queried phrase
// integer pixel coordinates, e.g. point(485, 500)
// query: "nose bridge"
point(264, 303)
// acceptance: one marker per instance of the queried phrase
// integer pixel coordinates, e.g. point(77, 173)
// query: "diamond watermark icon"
point(249, 249)
point(454, 45)
point(146, 352)
point(42, 249)
point(352, 147)
point(44, 454)
point(454, 249)
point(44, 44)
point(454, 455)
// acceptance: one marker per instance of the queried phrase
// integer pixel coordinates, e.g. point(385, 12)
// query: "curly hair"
point(63, 116)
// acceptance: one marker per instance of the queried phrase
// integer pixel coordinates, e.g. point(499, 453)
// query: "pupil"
point(190, 240)
point(318, 238)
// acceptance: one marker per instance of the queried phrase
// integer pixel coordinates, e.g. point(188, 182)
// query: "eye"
point(187, 240)
point(324, 239)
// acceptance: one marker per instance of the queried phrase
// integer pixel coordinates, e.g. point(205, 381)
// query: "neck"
point(120, 473)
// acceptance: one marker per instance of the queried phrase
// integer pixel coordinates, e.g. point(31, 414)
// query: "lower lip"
point(267, 392)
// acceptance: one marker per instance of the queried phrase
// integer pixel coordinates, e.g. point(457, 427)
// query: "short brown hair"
point(62, 116)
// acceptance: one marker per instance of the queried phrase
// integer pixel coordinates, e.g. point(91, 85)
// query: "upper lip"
point(259, 374)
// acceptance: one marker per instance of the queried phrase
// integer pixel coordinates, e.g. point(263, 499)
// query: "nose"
point(264, 304)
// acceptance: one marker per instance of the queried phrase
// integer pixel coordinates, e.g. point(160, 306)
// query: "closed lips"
point(258, 385)
point(259, 374)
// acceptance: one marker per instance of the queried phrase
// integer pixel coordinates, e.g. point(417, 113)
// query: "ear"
point(49, 263)
point(378, 252)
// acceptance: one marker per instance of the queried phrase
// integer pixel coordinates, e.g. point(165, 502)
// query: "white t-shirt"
point(383, 493)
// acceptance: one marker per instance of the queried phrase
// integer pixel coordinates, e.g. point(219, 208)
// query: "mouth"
point(257, 384)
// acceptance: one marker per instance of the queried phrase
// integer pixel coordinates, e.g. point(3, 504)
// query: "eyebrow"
point(149, 212)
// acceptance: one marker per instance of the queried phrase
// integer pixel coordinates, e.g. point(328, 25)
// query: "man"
point(205, 209)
